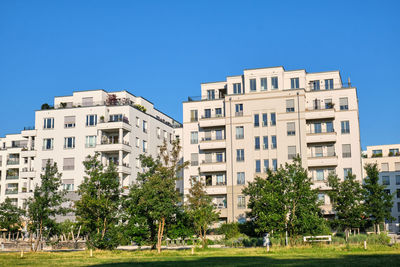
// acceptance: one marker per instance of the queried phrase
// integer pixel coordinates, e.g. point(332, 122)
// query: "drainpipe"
point(298, 119)
point(230, 122)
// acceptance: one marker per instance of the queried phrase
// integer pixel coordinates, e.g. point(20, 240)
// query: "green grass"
point(307, 255)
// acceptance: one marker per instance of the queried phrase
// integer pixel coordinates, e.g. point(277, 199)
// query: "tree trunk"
point(38, 238)
point(204, 238)
point(378, 229)
point(160, 234)
point(103, 232)
point(79, 231)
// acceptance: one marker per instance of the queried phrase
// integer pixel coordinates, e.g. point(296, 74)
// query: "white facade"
point(114, 124)
point(295, 112)
point(387, 157)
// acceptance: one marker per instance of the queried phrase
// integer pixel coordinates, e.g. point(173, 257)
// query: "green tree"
point(97, 210)
point(347, 200)
point(200, 209)
point(46, 203)
point(284, 202)
point(153, 200)
point(10, 216)
point(378, 203)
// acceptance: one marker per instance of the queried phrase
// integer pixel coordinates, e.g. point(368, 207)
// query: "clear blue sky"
point(163, 50)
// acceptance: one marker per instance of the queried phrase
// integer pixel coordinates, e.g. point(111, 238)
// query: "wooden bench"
point(318, 238)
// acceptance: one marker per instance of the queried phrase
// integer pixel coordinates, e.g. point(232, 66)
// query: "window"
point(144, 126)
point(193, 115)
point(385, 167)
point(48, 123)
point(328, 103)
point(344, 105)
point(291, 128)
point(69, 142)
point(290, 105)
point(137, 122)
point(208, 180)
point(241, 202)
point(328, 84)
point(239, 154)
point(398, 206)
point(397, 179)
point(321, 198)
point(239, 110)
point(194, 159)
point(329, 127)
point(294, 83)
point(158, 132)
point(210, 94)
point(258, 165)
point(256, 120)
point(207, 135)
point(264, 119)
point(319, 175)
point(317, 127)
point(266, 165)
point(218, 112)
point(69, 121)
point(265, 142)
point(237, 88)
point(221, 179)
point(274, 164)
point(385, 180)
point(346, 150)
point(318, 151)
point(257, 143)
point(194, 138)
point(347, 172)
point(218, 135)
point(219, 157)
point(137, 142)
point(253, 85)
point(219, 202)
point(316, 104)
point(240, 178)
point(273, 141)
point(273, 119)
point(330, 150)
point(264, 85)
point(394, 152)
point(345, 127)
point(69, 164)
point(315, 85)
point(398, 193)
point(274, 82)
point(207, 113)
point(48, 143)
point(377, 153)
point(144, 146)
point(291, 152)
point(68, 184)
point(239, 132)
point(91, 120)
point(137, 163)
point(90, 141)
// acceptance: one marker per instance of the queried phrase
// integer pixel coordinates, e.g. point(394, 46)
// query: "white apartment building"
point(387, 157)
point(117, 125)
point(240, 127)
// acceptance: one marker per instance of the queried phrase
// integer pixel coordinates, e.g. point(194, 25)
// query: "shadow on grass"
point(339, 260)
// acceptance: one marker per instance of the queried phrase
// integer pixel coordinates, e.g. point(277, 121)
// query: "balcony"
point(110, 147)
point(212, 144)
point(319, 113)
point(124, 169)
point(12, 161)
point(12, 191)
point(218, 120)
point(216, 190)
point(28, 153)
point(323, 160)
point(27, 173)
point(326, 137)
point(12, 177)
point(115, 124)
point(212, 166)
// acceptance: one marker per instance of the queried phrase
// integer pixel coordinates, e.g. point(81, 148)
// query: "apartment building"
point(240, 127)
point(117, 125)
point(387, 157)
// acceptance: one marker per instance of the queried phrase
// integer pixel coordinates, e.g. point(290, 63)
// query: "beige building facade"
point(240, 127)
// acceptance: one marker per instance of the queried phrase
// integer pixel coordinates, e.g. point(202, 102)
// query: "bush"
point(230, 230)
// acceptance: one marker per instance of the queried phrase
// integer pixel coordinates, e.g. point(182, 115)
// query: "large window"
point(319, 175)
point(194, 159)
point(266, 165)
point(218, 135)
point(237, 88)
point(294, 83)
point(69, 121)
point(328, 84)
point(345, 127)
point(346, 150)
point(257, 143)
point(385, 180)
point(317, 127)
point(329, 127)
point(144, 148)
point(264, 119)
point(274, 82)
point(265, 142)
point(219, 157)
point(48, 143)
point(397, 179)
point(273, 141)
point(291, 152)
point(194, 138)
point(69, 142)
point(273, 119)
point(315, 85)
point(264, 84)
point(290, 105)
point(241, 204)
point(90, 141)
point(207, 113)
point(239, 132)
point(48, 123)
point(210, 94)
point(347, 172)
point(239, 154)
point(274, 164)
point(258, 165)
point(193, 115)
point(253, 85)
point(239, 110)
point(240, 178)
point(221, 179)
point(144, 126)
point(91, 120)
point(69, 164)
point(344, 105)
point(291, 128)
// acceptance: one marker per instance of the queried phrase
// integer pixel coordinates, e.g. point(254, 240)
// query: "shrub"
point(230, 230)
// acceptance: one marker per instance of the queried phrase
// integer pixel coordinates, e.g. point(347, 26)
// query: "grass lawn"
point(309, 256)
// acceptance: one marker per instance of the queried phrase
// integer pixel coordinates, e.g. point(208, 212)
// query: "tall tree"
point(285, 202)
point(10, 216)
point(97, 210)
point(377, 202)
point(153, 199)
point(200, 209)
point(347, 200)
point(46, 203)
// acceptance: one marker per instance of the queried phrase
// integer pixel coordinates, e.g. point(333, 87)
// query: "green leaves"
point(10, 216)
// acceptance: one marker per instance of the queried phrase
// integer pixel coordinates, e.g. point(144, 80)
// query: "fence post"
point(91, 253)
point(365, 244)
point(22, 253)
